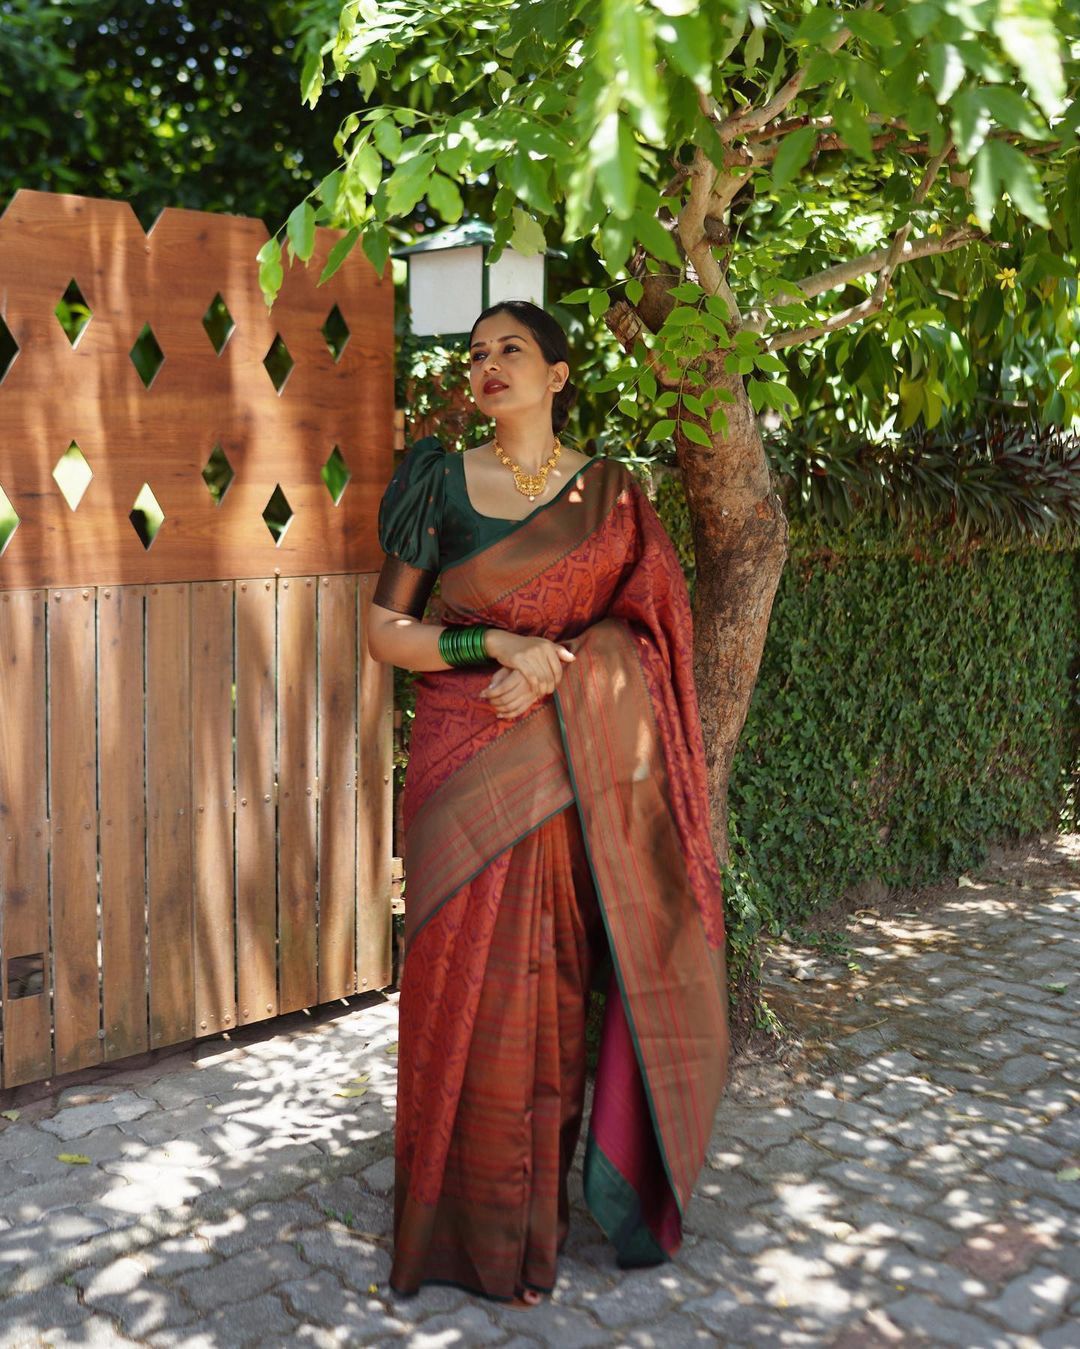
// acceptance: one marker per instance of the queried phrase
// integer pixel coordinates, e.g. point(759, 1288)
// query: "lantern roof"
point(465, 234)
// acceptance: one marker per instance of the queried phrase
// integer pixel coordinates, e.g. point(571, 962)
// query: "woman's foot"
point(527, 1297)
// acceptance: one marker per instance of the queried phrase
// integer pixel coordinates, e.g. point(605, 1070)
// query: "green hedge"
point(916, 701)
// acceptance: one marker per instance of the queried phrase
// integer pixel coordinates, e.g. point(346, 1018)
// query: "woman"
point(556, 831)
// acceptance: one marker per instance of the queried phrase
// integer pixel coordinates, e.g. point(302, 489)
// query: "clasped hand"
point(531, 668)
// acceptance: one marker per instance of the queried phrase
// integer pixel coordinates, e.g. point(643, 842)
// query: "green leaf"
point(12, 1115)
point(999, 164)
point(311, 79)
point(694, 433)
point(407, 184)
point(1068, 1173)
point(377, 247)
point(971, 122)
point(795, 150)
point(634, 290)
point(598, 303)
point(528, 236)
point(1027, 30)
point(656, 238)
point(662, 430)
point(945, 66)
point(339, 253)
point(366, 164)
point(270, 272)
point(351, 1092)
point(444, 197)
point(579, 296)
point(73, 1158)
point(300, 228)
point(614, 155)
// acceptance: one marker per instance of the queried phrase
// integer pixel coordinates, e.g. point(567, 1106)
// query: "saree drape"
point(533, 848)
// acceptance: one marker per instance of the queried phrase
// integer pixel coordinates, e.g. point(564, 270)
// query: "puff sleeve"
point(410, 520)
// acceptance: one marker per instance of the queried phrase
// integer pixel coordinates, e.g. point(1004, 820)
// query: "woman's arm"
point(399, 639)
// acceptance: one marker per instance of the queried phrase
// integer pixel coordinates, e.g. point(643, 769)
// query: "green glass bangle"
point(463, 646)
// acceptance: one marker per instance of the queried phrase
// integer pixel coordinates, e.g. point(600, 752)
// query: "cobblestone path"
point(908, 1174)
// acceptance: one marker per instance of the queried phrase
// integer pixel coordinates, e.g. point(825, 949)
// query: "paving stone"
point(766, 1130)
point(321, 1298)
point(555, 1324)
point(1064, 1337)
point(169, 1258)
point(381, 1176)
point(259, 1226)
point(31, 1314)
point(469, 1325)
point(902, 1269)
point(644, 1296)
point(876, 1224)
point(1032, 1300)
point(357, 1260)
point(260, 1322)
point(1023, 1070)
point(96, 1332)
point(899, 1098)
point(145, 1308)
point(242, 1276)
point(942, 1325)
point(26, 1245)
point(78, 1120)
point(888, 1186)
point(837, 1137)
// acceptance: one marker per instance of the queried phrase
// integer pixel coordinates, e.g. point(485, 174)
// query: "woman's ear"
point(562, 371)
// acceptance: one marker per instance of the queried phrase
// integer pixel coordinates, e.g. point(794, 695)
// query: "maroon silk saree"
point(533, 847)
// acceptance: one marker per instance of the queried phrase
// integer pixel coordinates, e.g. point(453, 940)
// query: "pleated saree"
point(542, 853)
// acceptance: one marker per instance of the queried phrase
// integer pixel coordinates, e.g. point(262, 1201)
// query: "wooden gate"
point(195, 749)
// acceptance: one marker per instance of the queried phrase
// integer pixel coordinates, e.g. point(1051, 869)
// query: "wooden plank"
point(73, 800)
point(212, 778)
point(376, 710)
point(24, 891)
point(168, 799)
point(337, 787)
point(297, 916)
point(256, 871)
point(121, 699)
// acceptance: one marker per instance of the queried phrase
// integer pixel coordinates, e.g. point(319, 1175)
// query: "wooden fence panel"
point(121, 695)
point(220, 741)
point(73, 810)
point(24, 844)
point(375, 687)
point(297, 764)
point(213, 798)
point(337, 786)
point(168, 806)
point(256, 860)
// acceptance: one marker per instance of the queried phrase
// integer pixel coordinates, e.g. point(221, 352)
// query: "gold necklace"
point(530, 485)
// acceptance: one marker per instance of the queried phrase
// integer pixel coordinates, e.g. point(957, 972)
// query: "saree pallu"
point(532, 846)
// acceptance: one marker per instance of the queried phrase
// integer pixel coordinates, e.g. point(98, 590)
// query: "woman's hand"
point(539, 661)
point(509, 693)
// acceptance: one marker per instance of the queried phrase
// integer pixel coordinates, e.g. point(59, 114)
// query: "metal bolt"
point(243, 801)
point(86, 594)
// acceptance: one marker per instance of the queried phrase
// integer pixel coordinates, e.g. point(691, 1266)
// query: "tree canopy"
point(160, 102)
point(871, 211)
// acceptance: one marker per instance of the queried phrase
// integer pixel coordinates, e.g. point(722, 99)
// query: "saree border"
point(494, 800)
point(705, 968)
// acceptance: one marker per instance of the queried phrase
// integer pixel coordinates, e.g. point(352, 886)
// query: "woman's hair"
point(553, 344)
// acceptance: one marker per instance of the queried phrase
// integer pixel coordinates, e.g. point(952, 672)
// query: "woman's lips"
point(494, 385)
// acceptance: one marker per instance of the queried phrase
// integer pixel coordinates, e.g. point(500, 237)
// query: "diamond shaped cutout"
point(9, 349)
point(278, 515)
point(218, 474)
point(72, 474)
point(278, 363)
point(73, 312)
point(146, 356)
point(336, 475)
point(147, 516)
point(9, 521)
point(218, 323)
point(336, 332)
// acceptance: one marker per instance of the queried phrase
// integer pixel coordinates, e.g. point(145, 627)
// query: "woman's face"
point(507, 369)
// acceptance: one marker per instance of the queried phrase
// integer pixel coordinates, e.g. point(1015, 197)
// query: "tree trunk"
point(740, 541)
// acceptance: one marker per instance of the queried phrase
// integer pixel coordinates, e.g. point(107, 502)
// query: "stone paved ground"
point(908, 1173)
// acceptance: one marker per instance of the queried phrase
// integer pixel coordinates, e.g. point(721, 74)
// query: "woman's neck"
point(529, 448)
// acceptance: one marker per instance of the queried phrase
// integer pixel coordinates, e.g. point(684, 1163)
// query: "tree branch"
point(873, 302)
point(694, 237)
point(753, 119)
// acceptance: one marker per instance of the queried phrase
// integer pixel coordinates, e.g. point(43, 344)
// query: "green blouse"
point(426, 518)
point(427, 522)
